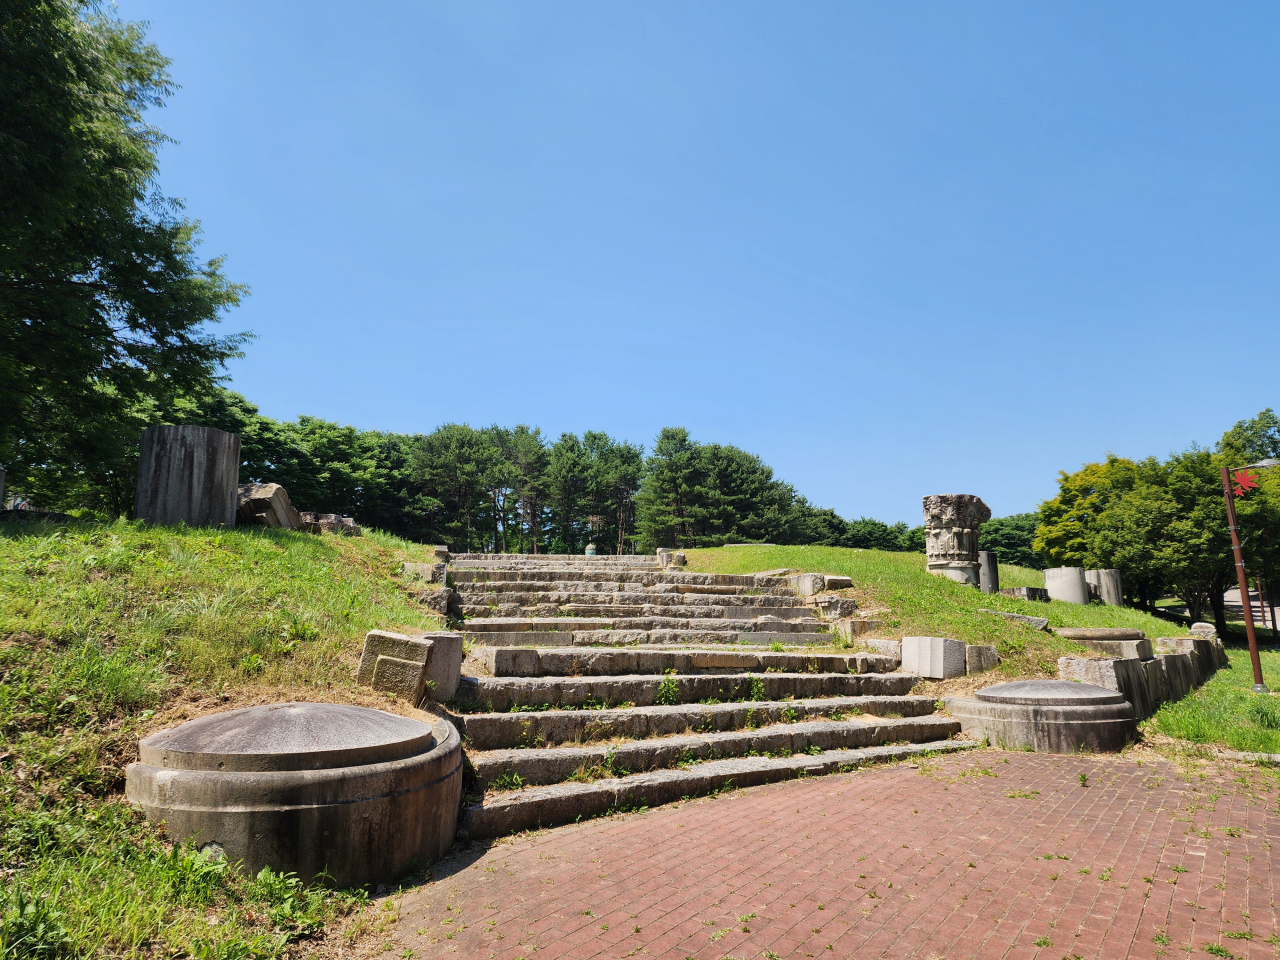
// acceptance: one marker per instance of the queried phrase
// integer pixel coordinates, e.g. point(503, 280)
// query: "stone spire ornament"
point(951, 523)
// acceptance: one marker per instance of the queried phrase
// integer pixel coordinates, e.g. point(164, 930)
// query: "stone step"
point(775, 585)
point(502, 731)
point(584, 587)
point(598, 662)
point(759, 637)
point(501, 814)
point(461, 564)
point(600, 559)
point(476, 593)
point(501, 694)
point(622, 624)
point(512, 769)
point(630, 616)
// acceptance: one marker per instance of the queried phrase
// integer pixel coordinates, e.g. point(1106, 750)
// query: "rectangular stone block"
point(808, 584)
point(850, 629)
point(837, 583)
point(1039, 623)
point(1178, 674)
point(510, 661)
point(444, 666)
point(395, 663)
point(980, 657)
point(934, 657)
point(888, 648)
point(1128, 677)
point(1124, 649)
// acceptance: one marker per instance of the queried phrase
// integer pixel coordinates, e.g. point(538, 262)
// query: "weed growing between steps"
point(109, 631)
point(921, 604)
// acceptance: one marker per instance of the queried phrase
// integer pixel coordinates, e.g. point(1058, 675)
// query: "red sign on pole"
point(1242, 481)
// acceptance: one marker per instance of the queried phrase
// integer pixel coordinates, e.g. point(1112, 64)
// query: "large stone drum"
point(307, 787)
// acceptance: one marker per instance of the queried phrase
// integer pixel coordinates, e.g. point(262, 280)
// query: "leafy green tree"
point(1063, 536)
point(664, 515)
point(454, 462)
point(566, 486)
point(526, 454)
point(614, 469)
point(104, 304)
point(1012, 539)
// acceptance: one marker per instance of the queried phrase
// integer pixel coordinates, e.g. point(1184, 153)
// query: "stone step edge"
point(541, 766)
point(505, 662)
point(633, 638)
point(541, 807)
point(508, 731)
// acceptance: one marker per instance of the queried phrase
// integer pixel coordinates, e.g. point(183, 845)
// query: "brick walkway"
point(985, 854)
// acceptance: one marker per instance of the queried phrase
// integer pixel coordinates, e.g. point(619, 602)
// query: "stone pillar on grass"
point(988, 571)
point(188, 475)
point(951, 523)
point(1067, 584)
point(1109, 586)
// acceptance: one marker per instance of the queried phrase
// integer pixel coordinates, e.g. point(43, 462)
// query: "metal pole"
point(1246, 603)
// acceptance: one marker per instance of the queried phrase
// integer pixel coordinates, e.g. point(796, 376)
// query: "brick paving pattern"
point(984, 854)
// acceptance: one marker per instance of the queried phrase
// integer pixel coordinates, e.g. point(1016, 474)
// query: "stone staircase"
point(601, 684)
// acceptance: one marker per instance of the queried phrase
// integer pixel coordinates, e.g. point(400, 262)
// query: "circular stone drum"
point(307, 787)
point(1048, 716)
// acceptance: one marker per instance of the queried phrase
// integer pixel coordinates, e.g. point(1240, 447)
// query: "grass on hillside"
point(1225, 710)
point(108, 631)
point(921, 604)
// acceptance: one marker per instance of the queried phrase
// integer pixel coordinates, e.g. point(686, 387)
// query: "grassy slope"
point(920, 604)
point(109, 631)
point(1225, 710)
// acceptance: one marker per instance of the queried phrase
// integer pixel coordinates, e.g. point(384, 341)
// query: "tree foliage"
point(104, 304)
point(1012, 539)
point(1163, 523)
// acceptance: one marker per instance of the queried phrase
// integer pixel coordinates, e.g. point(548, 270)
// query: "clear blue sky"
point(895, 249)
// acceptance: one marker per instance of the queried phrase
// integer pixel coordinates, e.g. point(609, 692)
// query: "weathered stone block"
point(808, 584)
point(1207, 630)
point(888, 648)
point(831, 607)
point(838, 583)
point(980, 657)
point(444, 668)
point(1179, 674)
point(384, 645)
point(934, 657)
point(1039, 594)
point(1039, 623)
point(400, 677)
point(1128, 677)
point(188, 475)
point(1109, 587)
point(430, 572)
point(1066, 584)
point(266, 505)
point(850, 629)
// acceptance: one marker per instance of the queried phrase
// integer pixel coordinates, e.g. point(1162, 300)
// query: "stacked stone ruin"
point(604, 683)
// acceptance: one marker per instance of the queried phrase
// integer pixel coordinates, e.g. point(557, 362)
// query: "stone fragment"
point(1179, 675)
point(837, 583)
point(888, 648)
point(934, 657)
point(1099, 633)
point(1110, 588)
point(831, 607)
point(1039, 623)
point(266, 505)
point(188, 475)
point(1066, 584)
point(1048, 716)
point(780, 572)
point(1110, 641)
point(1039, 594)
point(437, 600)
point(980, 657)
point(1207, 630)
point(807, 584)
point(1128, 677)
point(436, 656)
point(951, 523)
point(850, 629)
point(430, 572)
point(329, 523)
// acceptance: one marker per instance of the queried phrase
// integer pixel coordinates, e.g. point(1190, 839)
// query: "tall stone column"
point(188, 475)
point(988, 571)
point(951, 523)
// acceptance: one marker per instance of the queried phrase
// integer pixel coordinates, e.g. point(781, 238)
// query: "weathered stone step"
point(478, 594)
point(599, 559)
point(501, 814)
point(500, 694)
point(510, 769)
point(461, 564)
point(499, 731)
point(762, 636)
point(629, 616)
point(598, 662)
point(468, 588)
point(775, 585)
point(773, 624)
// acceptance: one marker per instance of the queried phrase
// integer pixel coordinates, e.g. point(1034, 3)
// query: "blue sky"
point(894, 249)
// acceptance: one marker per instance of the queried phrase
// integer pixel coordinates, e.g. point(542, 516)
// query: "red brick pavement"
point(985, 854)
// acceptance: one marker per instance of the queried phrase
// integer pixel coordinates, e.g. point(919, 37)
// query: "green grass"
point(1225, 711)
point(921, 604)
point(106, 630)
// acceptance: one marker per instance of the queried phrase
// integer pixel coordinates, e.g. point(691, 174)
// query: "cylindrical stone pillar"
point(1111, 588)
point(988, 571)
point(1067, 584)
point(188, 475)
